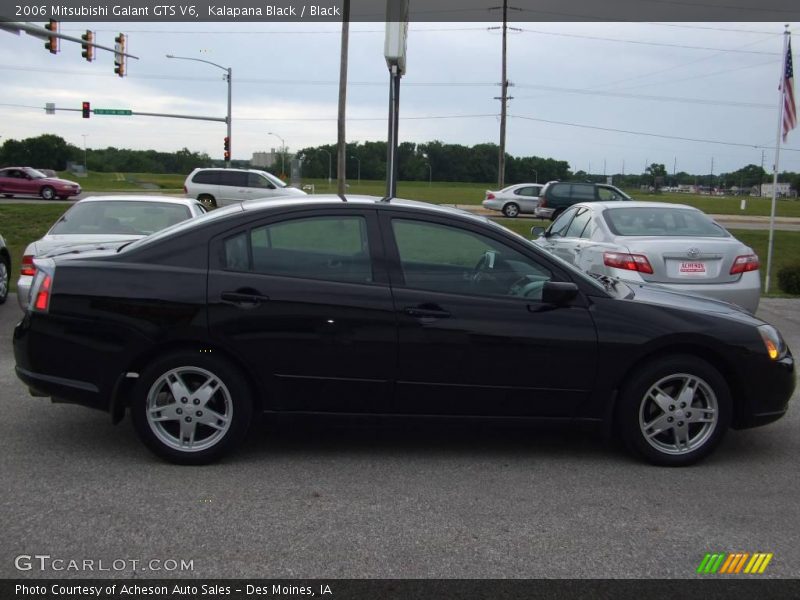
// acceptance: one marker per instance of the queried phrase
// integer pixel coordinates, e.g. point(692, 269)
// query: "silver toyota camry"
point(673, 245)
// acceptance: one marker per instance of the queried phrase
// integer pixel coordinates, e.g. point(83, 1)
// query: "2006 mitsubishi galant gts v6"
point(395, 308)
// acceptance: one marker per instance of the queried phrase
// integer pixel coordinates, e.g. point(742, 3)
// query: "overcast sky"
point(707, 81)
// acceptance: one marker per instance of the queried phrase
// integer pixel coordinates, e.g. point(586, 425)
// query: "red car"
point(24, 181)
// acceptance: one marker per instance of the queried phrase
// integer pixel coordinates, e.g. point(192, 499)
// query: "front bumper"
point(766, 390)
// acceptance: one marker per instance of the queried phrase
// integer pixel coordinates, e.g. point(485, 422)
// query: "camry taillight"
point(490, 196)
point(629, 262)
point(26, 267)
point(743, 264)
point(42, 287)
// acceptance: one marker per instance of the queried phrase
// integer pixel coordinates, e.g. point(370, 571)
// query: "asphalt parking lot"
point(388, 500)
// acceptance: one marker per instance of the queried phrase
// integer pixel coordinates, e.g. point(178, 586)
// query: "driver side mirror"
point(559, 293)
point(539, 231)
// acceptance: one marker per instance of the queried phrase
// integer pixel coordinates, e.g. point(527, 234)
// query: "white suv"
point(218, 187)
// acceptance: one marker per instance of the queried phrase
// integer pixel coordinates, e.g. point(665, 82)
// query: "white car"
point(103, 220)
point(522, 198)
point(673, 245)
point(218, 187)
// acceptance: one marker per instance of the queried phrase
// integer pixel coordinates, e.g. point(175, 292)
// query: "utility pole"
point(341, 157)
point(711, 178)
point(501, 162)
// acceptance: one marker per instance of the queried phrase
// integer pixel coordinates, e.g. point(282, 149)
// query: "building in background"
point(784, 190)
point(265, 159)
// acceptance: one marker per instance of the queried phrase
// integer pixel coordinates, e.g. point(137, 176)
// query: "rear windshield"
point(124, 218)
point(661, 221)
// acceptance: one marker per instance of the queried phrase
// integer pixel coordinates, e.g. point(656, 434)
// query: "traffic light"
point(88, 45)
point(227, 147)
point(52, 43)
point(119, 55)
point(87, 110)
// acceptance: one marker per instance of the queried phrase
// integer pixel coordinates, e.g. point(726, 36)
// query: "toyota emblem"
point(693, 252)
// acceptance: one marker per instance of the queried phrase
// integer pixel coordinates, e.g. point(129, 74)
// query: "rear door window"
point(233, 178)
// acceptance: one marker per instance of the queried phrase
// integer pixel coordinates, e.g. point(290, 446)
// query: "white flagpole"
point(777, 159)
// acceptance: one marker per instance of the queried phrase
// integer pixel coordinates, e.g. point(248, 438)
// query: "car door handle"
point(243, 298)
point(424, 312)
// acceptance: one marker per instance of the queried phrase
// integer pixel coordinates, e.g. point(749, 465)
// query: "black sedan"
point(393, 308)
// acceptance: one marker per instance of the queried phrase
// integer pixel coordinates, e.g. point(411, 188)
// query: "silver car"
point(522, 198)
point(100, 220)
point(673, 245)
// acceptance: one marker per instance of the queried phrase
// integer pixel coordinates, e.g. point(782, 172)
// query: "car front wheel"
point(675, 411)
point(47, 193)
point(190, 409)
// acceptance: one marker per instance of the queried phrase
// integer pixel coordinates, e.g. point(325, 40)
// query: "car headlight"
point(776, 347)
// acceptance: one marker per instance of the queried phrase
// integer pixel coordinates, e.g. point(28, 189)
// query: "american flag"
point(787, 85)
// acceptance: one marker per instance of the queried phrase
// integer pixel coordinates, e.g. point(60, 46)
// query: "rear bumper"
point(23, 290)
point(492, 204)
point(543, 212)
point(746, 292)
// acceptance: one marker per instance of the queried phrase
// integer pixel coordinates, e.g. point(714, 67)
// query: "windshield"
point(185, 226)
point(661, 221)
point(272, 179)
point(34, 173)
point(120, 218)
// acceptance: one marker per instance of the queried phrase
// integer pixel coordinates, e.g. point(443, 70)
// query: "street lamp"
point(359, 168)
point(228, 78)
point(329, 165)
point(283, 151)
point(84, 136)
point(430, 174)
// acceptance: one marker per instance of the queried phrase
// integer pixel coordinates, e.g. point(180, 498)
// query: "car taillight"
point(42, 287)
point(743, 264)
point(542, 201)
point(629, 262)
point(27, 268)
point(490, 196)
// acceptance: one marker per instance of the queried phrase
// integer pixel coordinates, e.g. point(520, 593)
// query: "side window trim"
point(375, 245)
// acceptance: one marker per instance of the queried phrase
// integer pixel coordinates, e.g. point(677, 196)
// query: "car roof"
point(358, 200)
point(138, 198)
point(633, 204)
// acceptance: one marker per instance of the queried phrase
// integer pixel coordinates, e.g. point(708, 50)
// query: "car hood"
point(58, 181)
point(54, 245)
point(656, 294)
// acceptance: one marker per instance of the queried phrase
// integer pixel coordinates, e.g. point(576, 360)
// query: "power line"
point(590, 92)
point(420, 118)
point(645, 133)
point(645, 43)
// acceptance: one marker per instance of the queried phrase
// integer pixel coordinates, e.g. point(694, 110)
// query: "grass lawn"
point(127, 182)
point(22, 223)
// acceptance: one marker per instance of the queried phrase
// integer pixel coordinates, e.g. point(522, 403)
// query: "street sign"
point(113, 111)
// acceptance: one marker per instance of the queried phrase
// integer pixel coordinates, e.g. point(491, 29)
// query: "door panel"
point(317, 339)
point(483, 351)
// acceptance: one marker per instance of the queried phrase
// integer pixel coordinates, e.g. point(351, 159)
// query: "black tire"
point(163, 432)
point(701, 420)
point(511, 210)
point(208, 201)
point(5, 279)
point(47, 193)
point(8, 195)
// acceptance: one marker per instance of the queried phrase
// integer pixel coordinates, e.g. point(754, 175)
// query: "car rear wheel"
point(190, 409)
point(511, 210)
point(207, 200)
point(4, 277)
point(47, 193)
point(675, 411)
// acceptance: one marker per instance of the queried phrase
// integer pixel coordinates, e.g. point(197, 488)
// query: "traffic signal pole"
point(134, 113)
point(228, 119)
